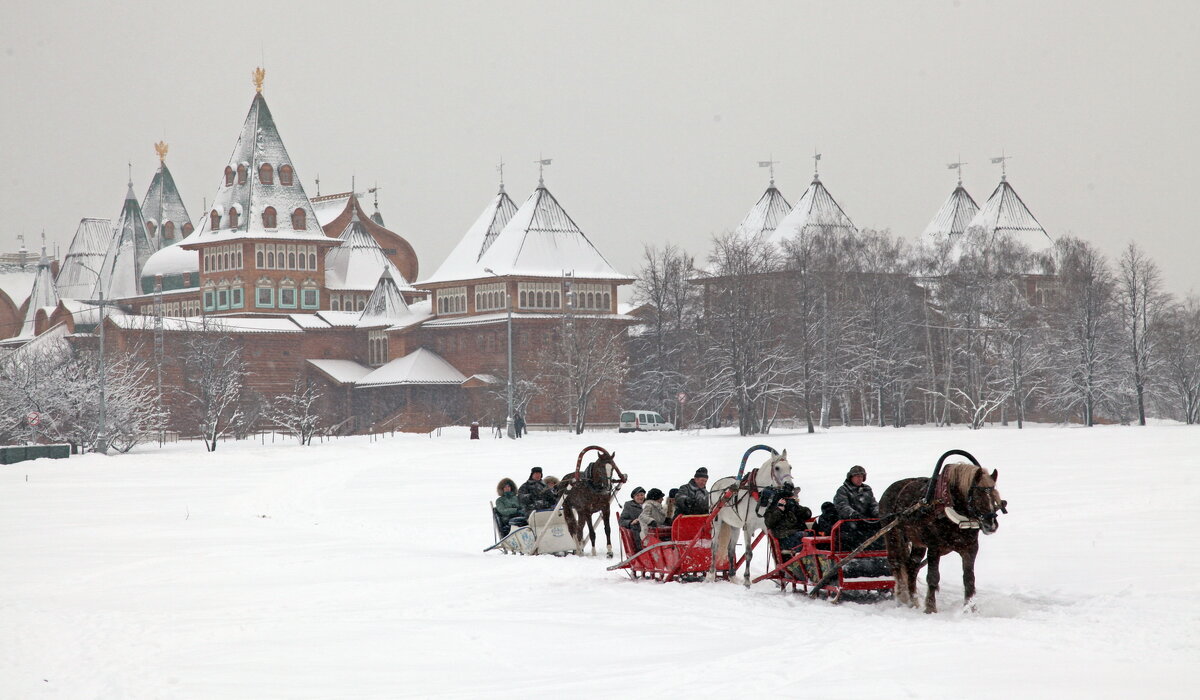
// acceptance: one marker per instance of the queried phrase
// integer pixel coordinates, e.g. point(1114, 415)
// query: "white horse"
point(741, 511)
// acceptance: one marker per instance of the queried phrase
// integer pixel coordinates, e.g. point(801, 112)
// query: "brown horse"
point(959, 502)
point(590, 491)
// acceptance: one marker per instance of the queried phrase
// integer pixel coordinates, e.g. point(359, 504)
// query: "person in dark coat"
point(855, 499)
point(534, 494)
point(518, 424)
point(629, 515)
point(692, 497)
point(787, 519)
point(508, 508)
point(827, 519)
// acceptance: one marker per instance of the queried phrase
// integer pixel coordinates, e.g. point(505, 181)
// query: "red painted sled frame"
point(820, 548)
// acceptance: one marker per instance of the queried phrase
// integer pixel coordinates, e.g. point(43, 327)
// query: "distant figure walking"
point(499, 426)
point(519, 424)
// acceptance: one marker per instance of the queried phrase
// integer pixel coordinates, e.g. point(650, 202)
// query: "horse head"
point(984, 502)
point(776, 471)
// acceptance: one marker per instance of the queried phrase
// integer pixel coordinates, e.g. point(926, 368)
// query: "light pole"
point(101, 432)
point(510, 428)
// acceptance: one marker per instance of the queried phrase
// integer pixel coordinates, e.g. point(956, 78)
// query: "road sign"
point(682, 397)
point(33, 418)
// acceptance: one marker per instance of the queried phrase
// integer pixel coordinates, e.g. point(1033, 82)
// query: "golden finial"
point(259, 74)
point(161, 149)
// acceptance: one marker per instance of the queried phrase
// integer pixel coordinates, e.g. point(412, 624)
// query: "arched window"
point(187, 229)
point(298, 222)
point(285, 175)
point(225, 261)
point(336, 304)
point(206, 263)
point(215, 220)
point(233, 217)
point(540, 300)
point(269, 216)
point(150, 228)
point(266, 175)
point(270, 259)
point(607, 301)
point(523, 300)
point(242, 174)
point(238, 262)
point(228, 176)
point(303, 261)
point(169, 230)
point(312, 261)
point(362, 303)
point(291, 261)
point(555, 303)
point(258, 259)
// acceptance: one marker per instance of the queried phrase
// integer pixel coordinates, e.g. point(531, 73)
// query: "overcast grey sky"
point(654, 113)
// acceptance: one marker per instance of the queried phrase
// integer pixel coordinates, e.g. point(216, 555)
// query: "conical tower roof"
point(954, 216)
point(44, 293)
point(248, 188)
point(358, 262)
point(1005, 213)
point(541, 240)
point(163, 205)
point(463, 261)
point(386, 305)
point(764, 217)
point(815, 212)
point(128, 250)
point(77, 276)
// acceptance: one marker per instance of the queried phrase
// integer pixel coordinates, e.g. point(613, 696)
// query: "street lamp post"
point(510, 428)
point(102, 430)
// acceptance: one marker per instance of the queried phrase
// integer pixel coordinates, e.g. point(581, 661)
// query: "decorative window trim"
point(546, 296)
point(236, 300)
point(209, 299)
point(264, 297)
point(286, 175)
point(285, 291)
point(491, 297)
point(310, 298)
point(452, 300)
point(266, 174)
point(377, 348)
point(269, 218)
point(299, 219)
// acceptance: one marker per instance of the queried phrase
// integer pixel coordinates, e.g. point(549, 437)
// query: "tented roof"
point(341, 371)
point(954, 216)
point(43, 294)
point(421, 366)
point(1005, 213)
point(16, 283)
point(541, 240)
point(386, 306)
point(163, 204)
point(463, 261)
point(128, 250)
point(88, 248)
point(359, 262)
point(174, 260)
point(764, 217)
point(258, 143)
point(815, 212)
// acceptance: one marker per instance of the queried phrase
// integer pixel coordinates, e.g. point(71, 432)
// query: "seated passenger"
point(653, 514)
point(787, 520)
point(535, 494)
point(827, 519)
point(508, 509)
point(692, 497)
point(629, 515)
point(853, 500)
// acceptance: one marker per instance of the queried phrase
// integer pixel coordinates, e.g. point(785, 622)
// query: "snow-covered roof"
point(386, 305)
point(128, 250)
point(259, 143)
point(43, 294)
point(358, 263)
point(27, 343)
point(1005, 213)
point(502, 317)
point(222, 324)
point(340, 319)
point(341, 371)
point(17, 283)
point(174, 260)
point(88, 248)
point(163, 204)
point(815, 212)
point(954, 216)
point(422, 366)
point(327, 207)
point(463, 261)
point(541, 240)
point(764, 217)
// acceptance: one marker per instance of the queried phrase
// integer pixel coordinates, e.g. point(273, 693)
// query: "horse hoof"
point(609, 555)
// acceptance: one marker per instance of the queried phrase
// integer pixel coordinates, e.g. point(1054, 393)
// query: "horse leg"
point(748, 533)
point(721, 531)
point(968, 561)
point(899, 551)
point(575, 527)
point(608, 531)
point(933, 578)
point(591, 533)
point(913, 567)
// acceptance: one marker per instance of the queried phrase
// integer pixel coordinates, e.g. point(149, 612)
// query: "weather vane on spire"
point(1003, 165)
point(542, 163)
point(816, 164)
point(769, 164)
point(161, 149)
point(130, 164)
point(500, 169)
point(957, 166)
point(259, 74)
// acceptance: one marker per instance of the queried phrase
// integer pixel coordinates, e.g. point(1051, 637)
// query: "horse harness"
point(943, 499)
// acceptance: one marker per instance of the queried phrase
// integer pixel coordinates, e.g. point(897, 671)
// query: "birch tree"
point(1141, 303)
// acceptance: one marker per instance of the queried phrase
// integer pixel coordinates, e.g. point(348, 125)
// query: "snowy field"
point(354, 569)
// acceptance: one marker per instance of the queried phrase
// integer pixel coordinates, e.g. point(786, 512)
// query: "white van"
point(636, 421)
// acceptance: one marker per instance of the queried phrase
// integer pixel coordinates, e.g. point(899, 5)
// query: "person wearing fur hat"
point(653, 514)
point(692, 497)
point(629, 515)
point(534, 494)
point(855, 500)
point(508, 508)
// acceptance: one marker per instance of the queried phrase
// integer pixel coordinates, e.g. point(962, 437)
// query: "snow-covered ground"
point(354, 569)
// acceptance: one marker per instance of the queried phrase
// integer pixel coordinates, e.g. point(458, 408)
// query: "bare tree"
point(1179, 376)
point(1141, 303)
point(214, 378)
point(298, 412)
point(588, 356)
